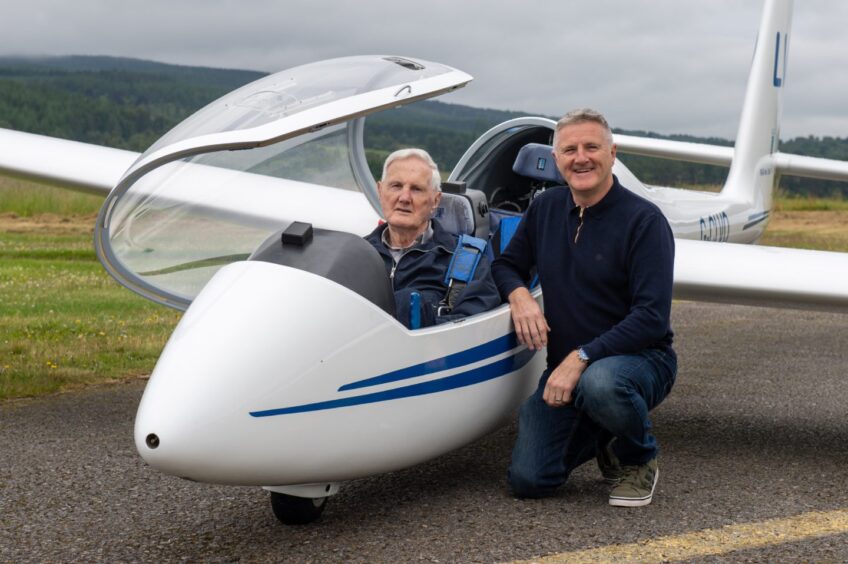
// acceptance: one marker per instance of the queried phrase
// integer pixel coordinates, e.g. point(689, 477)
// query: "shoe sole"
point(636, 501)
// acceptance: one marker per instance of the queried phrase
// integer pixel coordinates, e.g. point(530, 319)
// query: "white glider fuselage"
point(278, 376)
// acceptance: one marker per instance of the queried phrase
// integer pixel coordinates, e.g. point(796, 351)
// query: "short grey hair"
point(423, 156)
point(584, 115)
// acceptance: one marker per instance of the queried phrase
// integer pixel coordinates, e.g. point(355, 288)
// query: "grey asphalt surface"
point(756, 428)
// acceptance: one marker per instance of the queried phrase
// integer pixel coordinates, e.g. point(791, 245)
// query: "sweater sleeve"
point(650, 264)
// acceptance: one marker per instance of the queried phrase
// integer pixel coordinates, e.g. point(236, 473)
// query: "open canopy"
point(287, 147)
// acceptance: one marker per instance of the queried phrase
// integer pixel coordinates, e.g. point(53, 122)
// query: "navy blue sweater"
point(610, 291)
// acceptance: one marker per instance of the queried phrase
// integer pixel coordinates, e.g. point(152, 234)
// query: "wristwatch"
point(581, 354)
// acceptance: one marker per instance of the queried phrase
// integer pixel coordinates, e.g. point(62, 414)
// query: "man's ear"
point(436, 200)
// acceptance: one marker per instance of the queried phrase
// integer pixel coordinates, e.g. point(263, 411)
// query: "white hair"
point(423, 156)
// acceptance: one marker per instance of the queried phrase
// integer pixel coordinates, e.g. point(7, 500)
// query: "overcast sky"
point(671, 66)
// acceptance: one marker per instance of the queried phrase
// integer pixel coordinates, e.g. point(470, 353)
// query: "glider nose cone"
point(224, 353)
point(251, 340)
point(168, 452)
point(173, 443)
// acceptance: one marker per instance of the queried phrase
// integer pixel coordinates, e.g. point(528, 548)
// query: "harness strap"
point(506, 230)
point(461, 269)
point(415, 310)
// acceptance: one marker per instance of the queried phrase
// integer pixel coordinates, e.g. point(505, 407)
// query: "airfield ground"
point(754, 442)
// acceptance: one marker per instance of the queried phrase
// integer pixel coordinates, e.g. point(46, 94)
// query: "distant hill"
point(201, 76)
point(124, 103)
point(129, 103)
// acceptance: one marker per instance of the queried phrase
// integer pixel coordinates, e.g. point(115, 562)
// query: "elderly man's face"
point(406, 196)
point(584, 157)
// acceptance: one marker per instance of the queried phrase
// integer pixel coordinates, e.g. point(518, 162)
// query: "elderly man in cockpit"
point(417, 250)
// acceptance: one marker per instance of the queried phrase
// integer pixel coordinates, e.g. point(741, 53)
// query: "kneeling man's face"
point(585, 157)
point(406, 196)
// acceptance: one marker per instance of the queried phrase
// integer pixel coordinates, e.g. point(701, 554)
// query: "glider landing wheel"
point(293, 510)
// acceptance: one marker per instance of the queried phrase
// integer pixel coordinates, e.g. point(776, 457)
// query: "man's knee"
point(526, 485)
point(597, 383)
point(525, 473)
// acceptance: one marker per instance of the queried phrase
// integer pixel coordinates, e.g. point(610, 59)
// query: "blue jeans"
point(611, 400)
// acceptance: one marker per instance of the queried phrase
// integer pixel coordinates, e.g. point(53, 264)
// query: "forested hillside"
point(120, 103)
point(129, 103)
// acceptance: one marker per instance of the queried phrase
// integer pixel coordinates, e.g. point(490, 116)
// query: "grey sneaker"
point(608, 465)
point(636, 487)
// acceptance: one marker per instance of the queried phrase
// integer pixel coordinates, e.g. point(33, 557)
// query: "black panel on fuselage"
point(341, 257)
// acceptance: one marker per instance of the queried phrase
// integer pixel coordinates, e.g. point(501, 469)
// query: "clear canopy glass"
point(295, 90)
point(181, 222)
point(214, 188)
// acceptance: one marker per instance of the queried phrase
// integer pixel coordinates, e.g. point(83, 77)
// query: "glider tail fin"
point(752, 176)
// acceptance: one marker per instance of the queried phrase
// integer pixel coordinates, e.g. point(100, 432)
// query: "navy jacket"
point(610, 291)
point(422, 269)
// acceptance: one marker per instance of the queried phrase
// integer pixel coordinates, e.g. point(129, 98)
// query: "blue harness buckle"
point(465, 259)
point(461, 269)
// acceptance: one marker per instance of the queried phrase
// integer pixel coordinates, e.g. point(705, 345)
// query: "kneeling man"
point(605, 259)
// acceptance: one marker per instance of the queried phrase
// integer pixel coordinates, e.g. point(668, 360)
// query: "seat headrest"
point(536, 161)
point(455, 214)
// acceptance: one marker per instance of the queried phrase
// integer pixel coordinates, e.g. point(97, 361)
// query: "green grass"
point(796, 203)
point(27, 199)
point(64, 323)
point(817, 230)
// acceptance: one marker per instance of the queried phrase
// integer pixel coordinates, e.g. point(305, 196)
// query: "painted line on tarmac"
point(712, 542)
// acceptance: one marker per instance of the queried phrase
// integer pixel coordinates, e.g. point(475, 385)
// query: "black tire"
point(293, 510)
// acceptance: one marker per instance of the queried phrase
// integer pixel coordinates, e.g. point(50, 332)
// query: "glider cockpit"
point(290, 148)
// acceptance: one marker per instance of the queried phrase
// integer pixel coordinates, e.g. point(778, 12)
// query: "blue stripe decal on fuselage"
point(755, 219)
point(475, 354)
point(461, 380)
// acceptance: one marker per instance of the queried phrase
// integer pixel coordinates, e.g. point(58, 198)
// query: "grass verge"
point(819, 230)
point(64, 323)
point(27, 199)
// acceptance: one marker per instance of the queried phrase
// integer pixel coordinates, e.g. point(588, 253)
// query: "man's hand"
point(563, 380)
point(530, 324)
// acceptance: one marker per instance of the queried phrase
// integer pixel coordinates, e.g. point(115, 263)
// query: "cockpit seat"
point(454, 213)
point(536, 161)
point(463, 211)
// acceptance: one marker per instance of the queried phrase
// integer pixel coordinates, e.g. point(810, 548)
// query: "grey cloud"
point(663, 65)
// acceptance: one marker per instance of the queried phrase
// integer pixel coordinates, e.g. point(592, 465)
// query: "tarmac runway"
point(755, 432)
